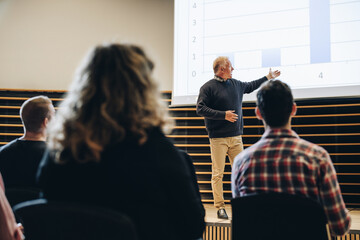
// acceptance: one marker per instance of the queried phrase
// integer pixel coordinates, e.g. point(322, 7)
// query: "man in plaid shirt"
point(282, 162)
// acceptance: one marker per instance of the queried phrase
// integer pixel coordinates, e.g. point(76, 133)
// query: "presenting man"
point(220, 102)
point(282, 162)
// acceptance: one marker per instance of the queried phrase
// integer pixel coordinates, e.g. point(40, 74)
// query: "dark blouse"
point(154, 184)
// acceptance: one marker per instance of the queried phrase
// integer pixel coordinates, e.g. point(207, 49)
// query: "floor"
point(211, 216)
point(355, 219)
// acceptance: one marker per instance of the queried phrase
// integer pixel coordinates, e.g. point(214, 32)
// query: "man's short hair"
point(219, 62)
point(33, 112)
point(275, 101)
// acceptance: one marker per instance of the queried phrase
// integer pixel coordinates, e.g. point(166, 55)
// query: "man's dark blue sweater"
point(216, 97)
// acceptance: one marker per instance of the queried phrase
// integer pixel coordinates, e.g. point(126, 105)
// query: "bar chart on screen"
point(314, 43)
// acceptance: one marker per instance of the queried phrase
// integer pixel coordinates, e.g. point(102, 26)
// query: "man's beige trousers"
point(219, 147)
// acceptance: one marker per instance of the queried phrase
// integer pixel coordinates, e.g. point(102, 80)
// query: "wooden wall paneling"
point(333, 123)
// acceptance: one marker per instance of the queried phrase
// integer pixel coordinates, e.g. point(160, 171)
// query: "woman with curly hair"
point(107, 147)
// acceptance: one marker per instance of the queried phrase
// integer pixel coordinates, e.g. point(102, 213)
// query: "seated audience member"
point(19, 159)
point(282, 162)
point(107, 147)
point(9, 230)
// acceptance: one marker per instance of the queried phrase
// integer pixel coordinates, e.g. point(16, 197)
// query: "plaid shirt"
point(282, 162)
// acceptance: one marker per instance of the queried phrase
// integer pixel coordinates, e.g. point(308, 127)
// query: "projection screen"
point(314, 43)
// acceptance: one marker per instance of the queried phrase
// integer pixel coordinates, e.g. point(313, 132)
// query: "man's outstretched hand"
point(273, 74)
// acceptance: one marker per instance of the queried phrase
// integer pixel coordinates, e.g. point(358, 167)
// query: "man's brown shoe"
point(221, 213)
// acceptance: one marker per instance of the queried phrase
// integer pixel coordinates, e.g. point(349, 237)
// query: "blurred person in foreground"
point(19, 159)
point(282, 162)
point(107, 147)
point(9, 230)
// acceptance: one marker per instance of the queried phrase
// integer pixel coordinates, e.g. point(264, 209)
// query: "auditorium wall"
point(43, 41)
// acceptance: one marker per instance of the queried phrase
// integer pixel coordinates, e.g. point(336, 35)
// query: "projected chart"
point(314, 43)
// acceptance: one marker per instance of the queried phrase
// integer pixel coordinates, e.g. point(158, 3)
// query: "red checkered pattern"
point(282, 162)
